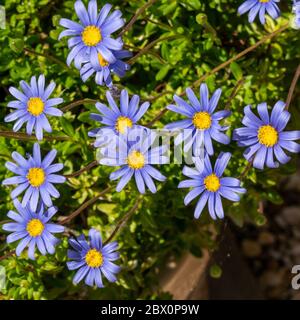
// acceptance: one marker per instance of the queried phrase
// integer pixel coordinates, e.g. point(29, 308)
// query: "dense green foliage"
point(192, 37)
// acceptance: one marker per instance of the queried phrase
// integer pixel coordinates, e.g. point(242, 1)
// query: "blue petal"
point(82, 13)
point(139, 181)
point(213, 103)
point(260, 158)
point(124, 102)
point(253, 12)
point(148, 181)
point(276, 112)
point(109, 276)
point(98, 278)
point(124, 180)
point(280, 155)
point(211, 205)
point(222, 163)
point(95, 238)
point(18, 94)
point(227, 193)
point(142, 110)
point(80, 274)
point(22, 245)
point(193, 194)
point(246, 6)
point(193, 99)
point(73, 265)
point(49, 158)
point(103, 14)
point(263, 112)
point(154, 173)
point(16, 236)
point(90, 278)
point(204, 97)
point(288, 135)
point(290, 146)
point(201, 204)
point(55, 178)
point(218, 206)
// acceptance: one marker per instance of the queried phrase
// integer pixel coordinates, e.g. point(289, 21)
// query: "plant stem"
point(246, 170)
point(24, 136)
point(151, 99)
point(225, 64)
point(136, 15)
point(234, 93)
point(77, 103)
point(49, 57)
point(240, 55)
point(84, 206)
point(123, 221)
point(150, 45)
point(292, 88)
point(7, 255)
point(79, 172)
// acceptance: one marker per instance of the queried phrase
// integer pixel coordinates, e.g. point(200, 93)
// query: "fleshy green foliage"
point(195, 37)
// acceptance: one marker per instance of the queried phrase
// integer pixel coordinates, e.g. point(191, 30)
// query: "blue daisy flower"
point(136, 159)
point(260, 7)
point(33, 105)
point(202, 124)
point(264, 136)
point(92, 36)
point(118, 120)
point(103, 68)
point(33, 228)
point(36, 176)
point(209, 184)
point(296, 10)
point(92, 259)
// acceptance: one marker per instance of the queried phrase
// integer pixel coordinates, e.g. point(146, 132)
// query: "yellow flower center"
point(122, 123)
point(94, 258)
point(36, 176)
point(264, 1)
point(212, 183)
point(91, 36)
point(267, 135)
point(202, 120)
point(136, 160)
point(102, 61)
point(35, 227)
point(35, 106)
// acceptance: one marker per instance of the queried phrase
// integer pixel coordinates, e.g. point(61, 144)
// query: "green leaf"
point(162, 73)
point(67, 126)
point(16, 45)
point(215, 271)
point(236, 70)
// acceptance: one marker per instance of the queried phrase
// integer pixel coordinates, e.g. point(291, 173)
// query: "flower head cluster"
point(130, 146)
point(264, 136)
point(210, 185)
point(122, 142)
point(32, 106)
point(202, 123)
point(260, 7)
point(92, 47)
point(33, 229)
point(93, 259)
